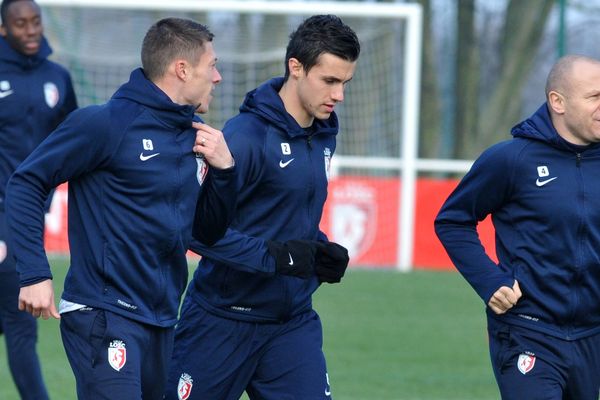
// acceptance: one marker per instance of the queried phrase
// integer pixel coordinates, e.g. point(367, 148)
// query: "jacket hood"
point(141, 90)
point(538, 127)
point(11, 56)
point(265, 102)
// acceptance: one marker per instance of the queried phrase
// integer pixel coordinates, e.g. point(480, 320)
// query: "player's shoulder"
point(245, 126)
point(505, 150)
point(91, 117)
point(502, 156)
point(57, 68)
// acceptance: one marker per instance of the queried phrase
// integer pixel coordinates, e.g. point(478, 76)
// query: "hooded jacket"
point(36, 94)
point(133, 187)
point(282, 187)
point(543, 195)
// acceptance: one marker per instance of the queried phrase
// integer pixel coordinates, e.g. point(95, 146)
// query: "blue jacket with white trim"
point(282, 187)
point(36, 95)
point(543, 195)
point(134, 185)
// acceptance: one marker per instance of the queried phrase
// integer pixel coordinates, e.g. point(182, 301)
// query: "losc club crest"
point(184, 388)
point(3, 251)
point(525, 362)
point(117, 354)
point(51, 94)
point(327, 158)
point(354, 217)
point(202, 169)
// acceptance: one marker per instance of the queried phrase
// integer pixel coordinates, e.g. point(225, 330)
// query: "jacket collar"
point(9, 55)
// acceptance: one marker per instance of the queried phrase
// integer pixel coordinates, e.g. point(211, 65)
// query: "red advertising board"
point(363, 215)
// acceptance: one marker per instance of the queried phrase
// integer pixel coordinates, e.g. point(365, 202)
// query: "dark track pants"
point(114, 357)
point(218, 359)
point(535, 366)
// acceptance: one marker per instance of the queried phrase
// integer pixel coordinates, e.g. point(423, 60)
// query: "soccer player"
point(135, 185)
point(36, 94)
point(247, 321)
point(542, 189)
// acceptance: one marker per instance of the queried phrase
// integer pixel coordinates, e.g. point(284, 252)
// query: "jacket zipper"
point(578, 261)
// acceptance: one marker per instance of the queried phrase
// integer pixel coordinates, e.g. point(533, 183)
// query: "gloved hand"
point(294, 257)
point(331, 262)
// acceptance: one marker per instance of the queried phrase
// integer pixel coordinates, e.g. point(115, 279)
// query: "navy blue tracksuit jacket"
point(36, 95)
point(543, 194)
point(134, 183)
point(282, 184)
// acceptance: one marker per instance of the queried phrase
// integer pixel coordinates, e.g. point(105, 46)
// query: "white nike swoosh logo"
point(542, 183)
point(327, 392)
point(4, 94)
point(145, 158)
point(285, 164)
point(291, 259)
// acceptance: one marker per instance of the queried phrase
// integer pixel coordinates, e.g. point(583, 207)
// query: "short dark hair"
point(321, 34)
point(4, 8)
point(172, 38)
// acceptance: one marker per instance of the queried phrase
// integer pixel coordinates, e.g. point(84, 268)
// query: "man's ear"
point(556, 101)
point(2, 30)
point(296, 68)
point(181, 69)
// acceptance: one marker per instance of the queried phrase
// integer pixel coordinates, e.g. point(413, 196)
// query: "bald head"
point(573, 94)
point(563, 72)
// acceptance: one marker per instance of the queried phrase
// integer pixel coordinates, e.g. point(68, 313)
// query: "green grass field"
point(388, 336)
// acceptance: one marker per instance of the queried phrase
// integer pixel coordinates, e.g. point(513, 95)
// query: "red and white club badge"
point(3, 251)
point(525, 362)
point(117, 354)
point(202, 169)
point(51, 94)
point(184, 388)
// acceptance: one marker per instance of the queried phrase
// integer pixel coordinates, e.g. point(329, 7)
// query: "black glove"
point(331, 262)
point(294, 257)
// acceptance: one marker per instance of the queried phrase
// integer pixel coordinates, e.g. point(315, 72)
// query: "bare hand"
point(505, 298)
point(211, 143)
point(38, 300)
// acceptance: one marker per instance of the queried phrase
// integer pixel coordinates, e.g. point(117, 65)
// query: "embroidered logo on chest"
point(5, 89)
point(543, 176)
point(327, 158)
point(286, 150)
point(148, 147)
point(51, 94)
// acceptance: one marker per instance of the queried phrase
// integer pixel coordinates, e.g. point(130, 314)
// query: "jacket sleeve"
point(237, 249)
point(215, 206)
point(483, 190)
point(78, 145)
point(69, 105)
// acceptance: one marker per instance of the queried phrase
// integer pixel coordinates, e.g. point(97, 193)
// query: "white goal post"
point(403, 159)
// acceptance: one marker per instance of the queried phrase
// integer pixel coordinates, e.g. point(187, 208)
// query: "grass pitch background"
point(388, 336)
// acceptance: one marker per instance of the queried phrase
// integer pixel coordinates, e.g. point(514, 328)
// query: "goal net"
point(100, 41)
